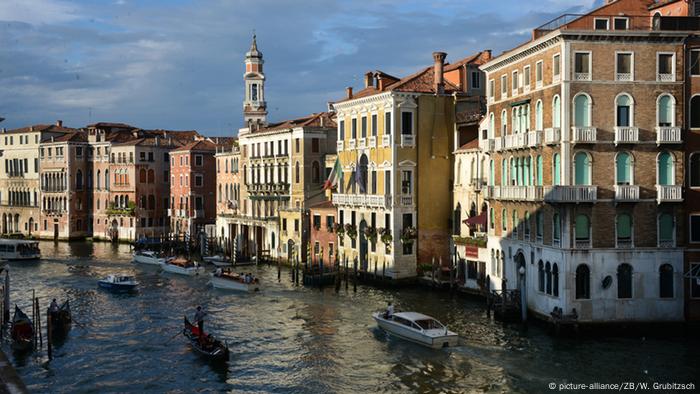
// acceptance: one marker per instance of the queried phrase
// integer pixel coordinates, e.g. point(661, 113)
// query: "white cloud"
point(38, 11)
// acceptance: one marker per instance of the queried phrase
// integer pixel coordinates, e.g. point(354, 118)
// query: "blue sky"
point(178, 64)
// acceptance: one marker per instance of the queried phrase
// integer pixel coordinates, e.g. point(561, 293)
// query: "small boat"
point(232, 281)
point(418, 328)
point(209, 348)
point(219, 261)
point(22, 331)
point(148, 257)
point(118, 283)
point(61, 320)
point(183, 266)
point(19, 250)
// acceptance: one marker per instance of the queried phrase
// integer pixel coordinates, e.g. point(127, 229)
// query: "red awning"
point(478, 220)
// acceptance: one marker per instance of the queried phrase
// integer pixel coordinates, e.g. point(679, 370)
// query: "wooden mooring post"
point(354, 279)
point(38, 323)
point(49, 336)
point(346, 273)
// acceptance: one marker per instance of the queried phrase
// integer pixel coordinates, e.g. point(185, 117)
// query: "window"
point(387, 182)
point(556, 112)
point(665, 67)
point(556, 228)
point(623, 169)
point(556, 66)
point(695, 62)
point(78, 152)
point(526, 77)
point(538, 116)
point(406, 123)
point(555, 280)
point(539, 222)
point(353, 128)
point(315, 172)
point(504, 123)
point(665, 109)
point(330, 221)
point(539, 73)
point(624, 281)
point(540, 276)
point(582, 169)
point(504, 220)
point(582, 66)
point(296, 172)
point(621, 23)
point(198, 160)
point(624, 66)
point(374, 125)
point(297, 145)
point(341, 130)
point(600, 23)
point(504, 86)
point(582, 114)
point(315, 145)
point(666, 281)
point(476, 80)
point(387, 123)
point(694, 280)
point(583, 235)
point(363, 127)
point(406, 179)
point(198, 180)
point(623, 112)
point(492, 89)
point(583, 282)
point(695, 112)
point(694, 228)
point(492, 219)
point(664, 169)
point(514, 82)
point(623, 228)
point(695, 169)
point(407, 222)
point(548, 278)
point(666, 230)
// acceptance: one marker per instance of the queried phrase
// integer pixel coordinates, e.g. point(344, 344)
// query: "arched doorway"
point(520, 263)
point(31, 225)
point(363, 246)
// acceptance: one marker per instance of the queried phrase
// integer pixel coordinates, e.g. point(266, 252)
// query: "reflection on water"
point(287, 339)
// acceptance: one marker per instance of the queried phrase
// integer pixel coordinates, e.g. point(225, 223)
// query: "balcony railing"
point(663, 77)
point(626, 193)
point(624, 243)
point(552, 136)
point(582, 244)
point(406, 201)
point(340, 145)
point(198, 213)
point(623, 76)
point(386, 140)
point(362, 200)
point(582, 76)
point(570, 194)
point(362, 143)
point(669, 193)
point(497, 143)
point(408, 139)
point(534, 139)
point(372, 142)
point(351, 144)
point(626, 135)
point(668, 135)
point(583, 135)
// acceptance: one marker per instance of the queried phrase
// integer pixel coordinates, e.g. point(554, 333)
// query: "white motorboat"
point(118, 283)
point(183, 266)
point(232, 281)
point(418, 328)
point(19, 249)
point(218, 260)
point(149, 257)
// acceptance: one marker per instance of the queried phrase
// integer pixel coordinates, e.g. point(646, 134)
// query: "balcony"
point(351, 144)
point(570, 194)
point(663, 77)
point(623, 77)
point(626, 193)
point(492, 192)
point(198, 213)
point(669, 193)
point(408, 140)
point(552, 136)
point(534, 139)
point(626, 135)
point(583, 135)
point(362, 200)
point(340, 145)
point(386, 140)
point(171, 212)
point(582, 244)
point(497, 143)
point(372, 142)
point(668, 135)
point(519, 193)
point(582, 76)
point(362, 143)
point(406, 201)
point(624, 243)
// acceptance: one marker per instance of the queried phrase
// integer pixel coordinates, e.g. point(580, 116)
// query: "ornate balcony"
point(340, 145)
point(406, 201)
point(570, 194)
point(408, 140)
point(626, 135)
point(668, 135)
point(582, 76)
point(583, 135)
point(534, 139)
point(362, 143)
point(386, 140)
point(351, 144)
point(669, 193)
point(372, 141)
point(362, 200)
point(552, 136)
point(626, 193)
point(663, 77)
point(514, 193)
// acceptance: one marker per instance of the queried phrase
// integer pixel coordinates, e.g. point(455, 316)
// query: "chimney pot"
point(59, 123)
point(348, 92)
point(438, 68)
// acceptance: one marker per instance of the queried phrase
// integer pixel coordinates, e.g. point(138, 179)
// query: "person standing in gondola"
point(199, 320)
point(53, 307)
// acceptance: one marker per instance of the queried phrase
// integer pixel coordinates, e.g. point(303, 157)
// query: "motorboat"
point(417, 327)
point(148, 257)
point(118, 283)
point(183, 266)
point(218, 260)
point(19, 249)
point(233, 281)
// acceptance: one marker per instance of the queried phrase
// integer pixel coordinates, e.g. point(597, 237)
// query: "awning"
point(478, 220)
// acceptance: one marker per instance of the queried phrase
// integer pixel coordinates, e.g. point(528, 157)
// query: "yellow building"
point(395, 142)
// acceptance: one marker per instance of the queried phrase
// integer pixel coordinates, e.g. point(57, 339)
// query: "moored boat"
point(232, 281)
point(204, 344)
point(118, 283)
point(22, 331)
point(218, 260)
point(19, 249)
point(148, 257)
point(61, 319)
point(183, 266)
point(418, 328)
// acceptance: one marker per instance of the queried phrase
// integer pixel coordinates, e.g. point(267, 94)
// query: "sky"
point(178, 64)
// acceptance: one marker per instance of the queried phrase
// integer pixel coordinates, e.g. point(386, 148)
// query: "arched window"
point(665, 105)
point(666, 281)
point(504, 173)
point(555, 280)
point(695, 112)
point(458, 174)
point(151, 201)
point(151, 176)
point(107, 179)
point(583, 282)
point(504, 220)
point(492, 173)
point(666, 230)
point(556, 228)
point(296, 172)
point(538, 115)
point(540, 276)
point(143, 202)
point(539, 224)
point(556, 112)
point(515, 222)
point(582, 114)
point(142, 176)
point(623, 229)
point(556, 169)
point(504, 123)
point(583, 231)
point(219, 195)
point(526, 226)
point(582, 168)
point(664, 169)
point(548, 278)
point(315, 172)
point(513, 172)
point(99, 179)
point(362, 173)
point(492, 125)
point(79, 180)
point(623, 169)
point(624, 281)
point(492, 217)
point(623, 111)
point(540, 170)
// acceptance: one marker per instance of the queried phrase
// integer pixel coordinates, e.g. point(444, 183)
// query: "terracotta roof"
point(162, 142)
point(78, 136)
point(323, 204)
point(109, 125)
point(476, 58)
point(660, 3)
point(202, 145)
point(224, 141)
point(42, 128)
point(473, 144)
point(321, 119)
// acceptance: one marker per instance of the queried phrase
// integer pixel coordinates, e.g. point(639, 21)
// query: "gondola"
point(213, 349)
point(22, 331)
point(61, 320)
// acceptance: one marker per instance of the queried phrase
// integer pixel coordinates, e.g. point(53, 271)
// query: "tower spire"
point(254, 106)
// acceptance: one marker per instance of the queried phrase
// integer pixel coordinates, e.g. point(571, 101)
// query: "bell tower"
point(254, 106)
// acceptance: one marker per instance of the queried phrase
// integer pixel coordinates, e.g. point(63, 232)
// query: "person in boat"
point(218, 272)
point(53, 307)
point(389, 311)
point(199, 321)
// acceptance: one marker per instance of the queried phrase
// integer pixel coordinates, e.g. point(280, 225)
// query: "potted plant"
point(408, 235)
point(351, 231)
point(386, 238)
point(371, 234)
point(340, 230)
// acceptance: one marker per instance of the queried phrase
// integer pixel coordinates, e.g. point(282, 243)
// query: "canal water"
point(287, 339)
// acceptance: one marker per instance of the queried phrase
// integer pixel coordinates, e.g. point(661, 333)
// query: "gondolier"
point(199, 320)
point(53, 308)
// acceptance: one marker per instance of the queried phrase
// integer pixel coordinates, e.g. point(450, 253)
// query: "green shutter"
point(504, 177)
point(624, 226)
point(665, 111)
point(624, 169)
point(581, 169)
point(582, 227)
point(665, 169)
point(666, 227)
point(581, 111)
point(539, 171)
point(556, 109)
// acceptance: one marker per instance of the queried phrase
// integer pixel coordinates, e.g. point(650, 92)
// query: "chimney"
point(439, 65)
point(487, 55)
point(59, 123)
point(348, 92)
point(31, 128)
point(369, 79)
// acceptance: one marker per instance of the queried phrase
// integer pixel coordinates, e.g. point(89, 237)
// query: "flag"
point(335, 177)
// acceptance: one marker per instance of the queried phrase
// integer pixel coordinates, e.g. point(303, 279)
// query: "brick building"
point(228, 193)
point(323, 238)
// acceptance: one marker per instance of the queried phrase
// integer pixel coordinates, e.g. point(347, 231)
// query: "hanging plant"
point(371, 234)
point(351, 231)
point(408, 235)
point(339, 229)
point(385, 236)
